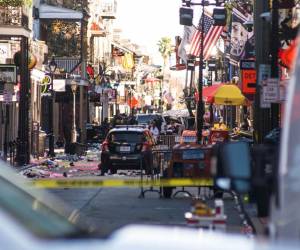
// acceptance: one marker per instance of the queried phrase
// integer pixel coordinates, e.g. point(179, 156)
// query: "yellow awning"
point(229, 94)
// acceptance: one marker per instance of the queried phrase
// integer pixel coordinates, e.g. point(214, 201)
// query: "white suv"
point(146, 119)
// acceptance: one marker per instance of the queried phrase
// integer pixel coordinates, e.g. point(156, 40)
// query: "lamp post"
point(186, 16)
point(200, 105)
point(52, 67)
point(74, 132)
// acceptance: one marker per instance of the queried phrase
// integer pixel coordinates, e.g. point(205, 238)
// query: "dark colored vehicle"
point(127, 147)
point(95, 133)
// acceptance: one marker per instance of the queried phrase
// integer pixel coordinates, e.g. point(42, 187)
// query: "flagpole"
point(200, 107)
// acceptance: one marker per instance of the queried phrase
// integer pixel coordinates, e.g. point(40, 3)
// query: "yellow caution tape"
point(96, 183)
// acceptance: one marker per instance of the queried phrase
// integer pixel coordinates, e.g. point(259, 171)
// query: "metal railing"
point(169, 140)
point(13, 16)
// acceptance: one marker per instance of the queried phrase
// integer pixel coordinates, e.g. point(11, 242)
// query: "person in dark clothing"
point(158, 123)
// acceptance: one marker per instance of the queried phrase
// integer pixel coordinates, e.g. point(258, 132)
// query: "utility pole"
point(200, 106)
point(261, 30)
point(23, 129)
point(275, 44)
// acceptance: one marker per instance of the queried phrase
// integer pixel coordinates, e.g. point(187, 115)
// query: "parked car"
point(146, 119)
point(127, 147)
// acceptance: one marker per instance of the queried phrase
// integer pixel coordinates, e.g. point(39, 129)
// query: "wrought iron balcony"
point(108, 10)
point(73, 5)
point(13, 16)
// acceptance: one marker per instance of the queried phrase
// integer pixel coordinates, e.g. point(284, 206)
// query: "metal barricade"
point(169, 140)
point(161, 159)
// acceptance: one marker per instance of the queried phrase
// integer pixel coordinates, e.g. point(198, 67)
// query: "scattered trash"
point(64, 165)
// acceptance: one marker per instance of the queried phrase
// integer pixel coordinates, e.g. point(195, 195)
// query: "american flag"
point(211, 36)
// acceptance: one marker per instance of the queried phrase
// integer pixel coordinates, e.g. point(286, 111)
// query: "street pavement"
point(108, 209)
point(111, 208)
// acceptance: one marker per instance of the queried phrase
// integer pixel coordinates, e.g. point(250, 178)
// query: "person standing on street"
point(154, 130)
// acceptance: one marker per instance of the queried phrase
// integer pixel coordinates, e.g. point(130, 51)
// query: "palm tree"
point(165, 48)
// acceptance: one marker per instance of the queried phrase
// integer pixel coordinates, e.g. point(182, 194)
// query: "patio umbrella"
point(209, 92)
point(229, 94)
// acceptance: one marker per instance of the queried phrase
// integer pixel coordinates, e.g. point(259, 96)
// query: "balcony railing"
point(108, 10)
point(13, 16)
point(73, 5)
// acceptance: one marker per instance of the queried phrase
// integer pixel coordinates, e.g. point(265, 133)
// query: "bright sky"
point(144, 22)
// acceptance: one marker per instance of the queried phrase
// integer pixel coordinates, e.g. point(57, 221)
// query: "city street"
point(108, 209)
point(172, 113)
point(111, 208)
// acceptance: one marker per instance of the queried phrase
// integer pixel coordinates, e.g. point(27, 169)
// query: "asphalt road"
point(111, 208)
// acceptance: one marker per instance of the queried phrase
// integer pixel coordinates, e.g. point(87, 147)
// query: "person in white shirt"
point(154, 130)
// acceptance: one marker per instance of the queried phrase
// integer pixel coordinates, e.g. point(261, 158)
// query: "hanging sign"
point(248, 76)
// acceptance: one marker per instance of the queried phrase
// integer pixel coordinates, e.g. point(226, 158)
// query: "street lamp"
point(52, 67)
point(74, 132)
point(186, 17)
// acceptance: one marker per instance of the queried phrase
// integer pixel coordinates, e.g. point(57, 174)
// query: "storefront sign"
point(248, 76)
point(248, 81)
point(7, 97)
point(4, 51)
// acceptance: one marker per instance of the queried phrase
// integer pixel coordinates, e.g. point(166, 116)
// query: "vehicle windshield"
point(146, 119)
point(126, 136)
point(34, 214)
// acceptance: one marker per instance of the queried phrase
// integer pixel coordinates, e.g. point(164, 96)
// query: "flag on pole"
point(185, 42)
point(211, 35)
point(239, 37)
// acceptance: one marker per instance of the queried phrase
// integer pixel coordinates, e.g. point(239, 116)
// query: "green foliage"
point(12, 3)
point(165, 47)
point(64, 38)
point(15, 3)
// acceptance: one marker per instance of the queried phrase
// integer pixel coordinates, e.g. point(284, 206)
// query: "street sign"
point(271, 90)
point(264, 74)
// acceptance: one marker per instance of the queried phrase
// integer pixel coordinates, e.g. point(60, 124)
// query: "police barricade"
point(169, 140)
point(161, 156)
